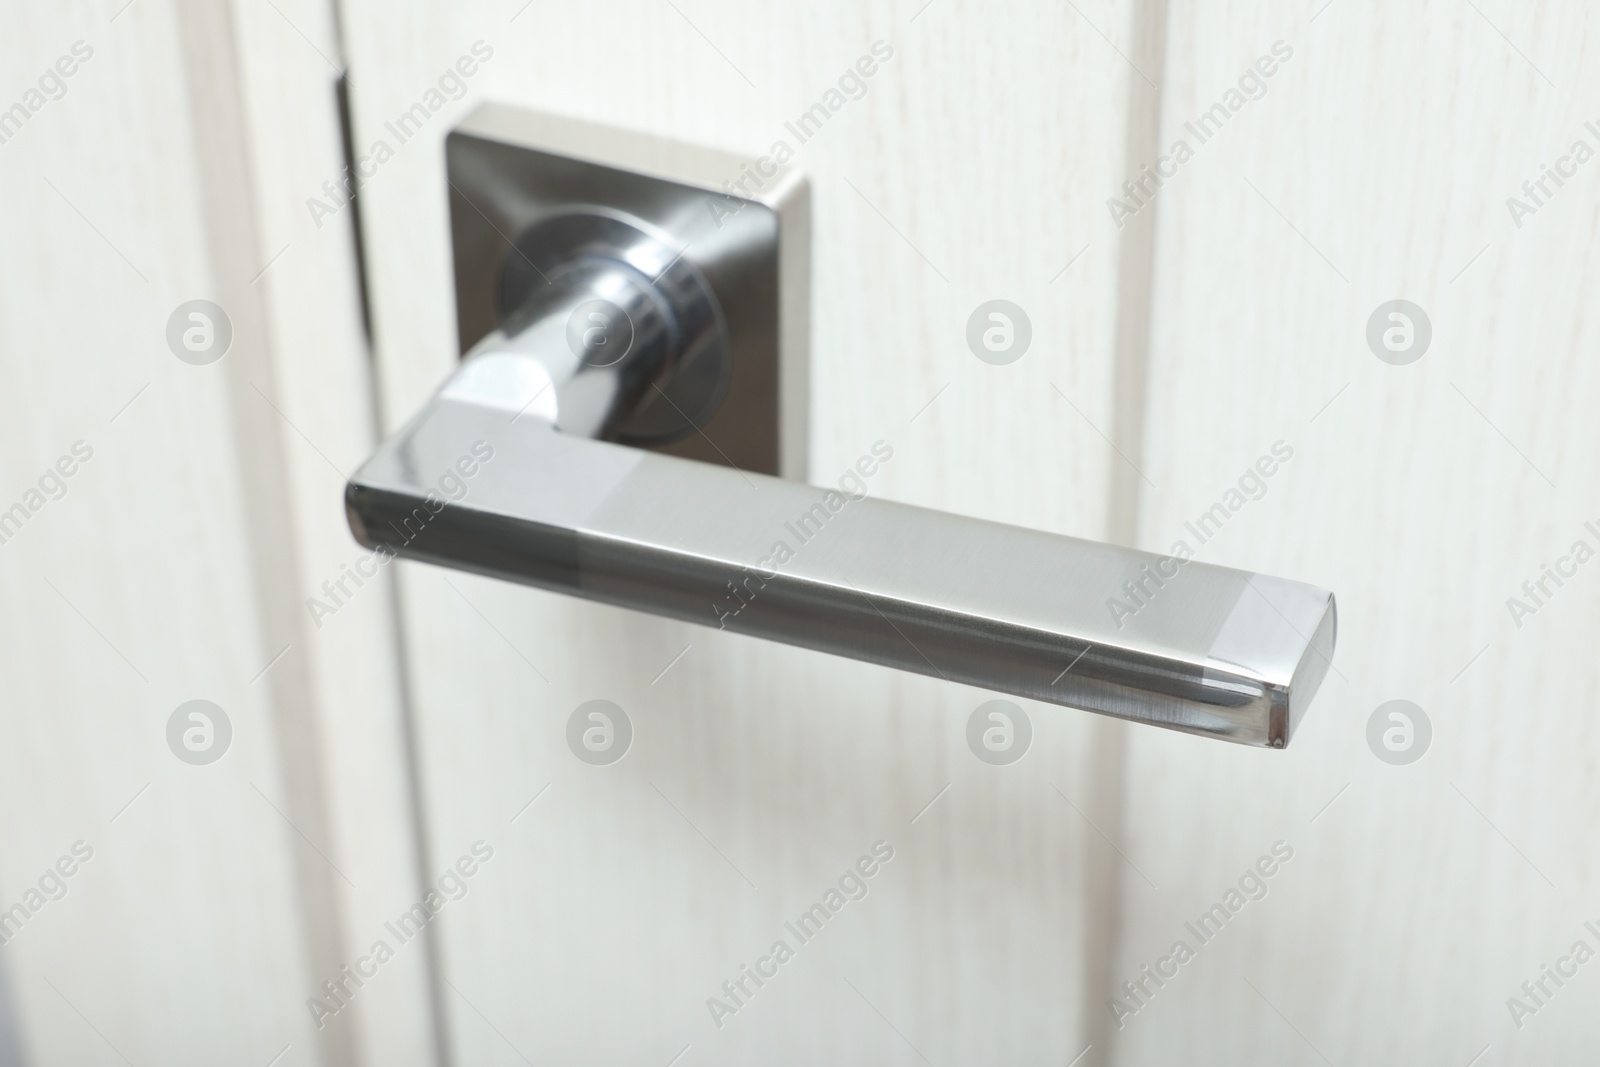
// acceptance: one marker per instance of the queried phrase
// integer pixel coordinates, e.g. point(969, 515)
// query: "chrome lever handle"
point(1215, 651)
point(1212, 651)
point(651, 316)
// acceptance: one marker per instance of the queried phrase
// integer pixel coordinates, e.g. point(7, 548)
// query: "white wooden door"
point(1188, 332)
point(1380, 166)
point(1386, 892)
point(166, 515)
point(620, 899)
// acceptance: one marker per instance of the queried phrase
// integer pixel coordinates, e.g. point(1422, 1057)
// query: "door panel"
point(1420, 897)
point(758, 773)
point(1212, 362)
point(176, 562)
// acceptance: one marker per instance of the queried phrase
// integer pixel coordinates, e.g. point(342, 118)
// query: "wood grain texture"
point(176, 566)
point(1377, 167)
point(321, 398)
point(1168, 355)
point(974, 167)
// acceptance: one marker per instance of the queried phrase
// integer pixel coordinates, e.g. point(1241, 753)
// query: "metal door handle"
point(514, 470)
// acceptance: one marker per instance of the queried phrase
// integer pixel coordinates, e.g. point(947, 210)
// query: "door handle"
point(526, 465)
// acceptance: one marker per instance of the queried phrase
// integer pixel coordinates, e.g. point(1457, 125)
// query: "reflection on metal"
point(570, 503)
